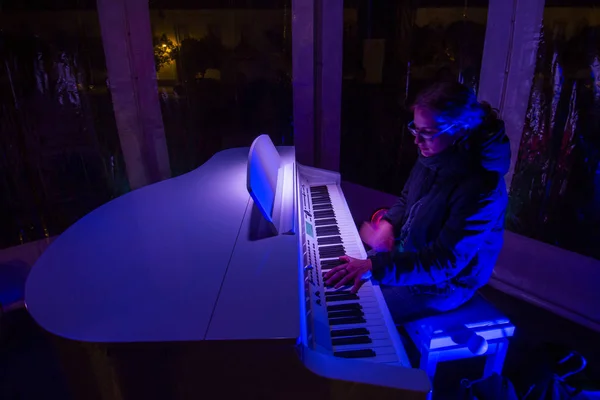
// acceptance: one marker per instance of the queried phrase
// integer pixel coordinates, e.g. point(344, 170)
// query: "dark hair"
point(455, 103)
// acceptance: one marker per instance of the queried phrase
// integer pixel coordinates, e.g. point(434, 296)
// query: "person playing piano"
point(438, 244)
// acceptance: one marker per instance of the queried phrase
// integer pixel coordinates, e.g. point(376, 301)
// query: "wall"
point(27, 253)
point(558, 280)
point(18, 260)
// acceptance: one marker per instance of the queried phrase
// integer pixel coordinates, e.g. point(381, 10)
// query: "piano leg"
point(249, 370)
point(428, 363)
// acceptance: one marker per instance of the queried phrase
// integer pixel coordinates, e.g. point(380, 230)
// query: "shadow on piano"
point(259, 228)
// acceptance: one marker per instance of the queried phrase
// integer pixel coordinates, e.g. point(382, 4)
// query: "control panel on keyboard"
point(341, 323)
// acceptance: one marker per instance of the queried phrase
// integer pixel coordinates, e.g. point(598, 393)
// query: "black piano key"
point(337, 293)
point(331, 254)
point(321, 200)
point(319, 207)
point(347, 321)
point(351, 340)
point(346, 286)
point(328, 264)
point(342, 297)
point(323, 214)
point(345, 314)
point(320, 187)
point(349, 332)
point(333, 248)
point(327, 221)
point(319, 194)
point(324, 272)
point(364, 353)
point(329, 240)
point(347, 306)
point(328, 230)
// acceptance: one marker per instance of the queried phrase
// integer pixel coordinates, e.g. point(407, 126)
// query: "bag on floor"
point(553, 384)
point(494, 387)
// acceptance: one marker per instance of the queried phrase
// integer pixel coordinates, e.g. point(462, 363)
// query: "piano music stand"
point(263, 167)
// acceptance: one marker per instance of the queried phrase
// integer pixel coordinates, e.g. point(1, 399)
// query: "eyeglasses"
point(427, 136)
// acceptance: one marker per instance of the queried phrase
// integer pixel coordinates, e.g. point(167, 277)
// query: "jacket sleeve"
point(471, 217)
point(395, 214)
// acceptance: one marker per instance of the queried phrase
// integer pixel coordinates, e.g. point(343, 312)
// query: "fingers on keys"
point(345, 260)
point(347, 278)
point(334, 276)
point(358, 282)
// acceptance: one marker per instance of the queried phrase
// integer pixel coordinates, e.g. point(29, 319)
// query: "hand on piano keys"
point(380, 236)
point(351, 272)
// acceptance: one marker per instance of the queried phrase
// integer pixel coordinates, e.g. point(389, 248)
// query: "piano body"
point(183, 289)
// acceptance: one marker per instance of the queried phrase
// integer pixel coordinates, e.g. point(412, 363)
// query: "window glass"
point(224, 75)
point(555, 190)
point(391, 51)
point(59, 146)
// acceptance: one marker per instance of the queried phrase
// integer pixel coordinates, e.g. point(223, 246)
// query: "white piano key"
point(373, 318)
point(368, 300)
point(363, 292)
point(388, 357)
point(377, 330)
point(375, 313)
point(380, 346)
point(373, 322)
point(363, 298)
point(378, 335)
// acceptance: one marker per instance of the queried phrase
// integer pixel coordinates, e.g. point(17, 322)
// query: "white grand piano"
point(219, 272)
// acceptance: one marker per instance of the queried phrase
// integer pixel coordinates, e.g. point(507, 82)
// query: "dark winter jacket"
point(449, 219)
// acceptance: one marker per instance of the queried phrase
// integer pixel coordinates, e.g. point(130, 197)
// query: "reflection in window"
point(224, 75)
point(60, 151)
point(391, 51)
point(555, 192)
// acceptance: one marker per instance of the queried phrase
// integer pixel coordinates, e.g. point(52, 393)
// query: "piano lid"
point(168, 262)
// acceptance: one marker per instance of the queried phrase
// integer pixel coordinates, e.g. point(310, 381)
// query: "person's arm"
point(472, 216)
point(395, 214)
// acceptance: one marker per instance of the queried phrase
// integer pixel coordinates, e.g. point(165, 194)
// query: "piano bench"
point(476, 328)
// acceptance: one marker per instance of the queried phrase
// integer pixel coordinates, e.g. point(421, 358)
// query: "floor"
point(30, 368)
point(539, 335)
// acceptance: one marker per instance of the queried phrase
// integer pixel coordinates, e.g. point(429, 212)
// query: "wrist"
point(386, 220)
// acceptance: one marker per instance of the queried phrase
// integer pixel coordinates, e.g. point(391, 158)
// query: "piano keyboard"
point(345, 324)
